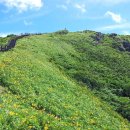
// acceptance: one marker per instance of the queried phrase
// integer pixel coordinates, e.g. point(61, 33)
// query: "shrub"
point(62, 32)
point(11, 35)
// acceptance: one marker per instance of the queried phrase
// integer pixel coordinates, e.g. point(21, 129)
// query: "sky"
point(34, 16)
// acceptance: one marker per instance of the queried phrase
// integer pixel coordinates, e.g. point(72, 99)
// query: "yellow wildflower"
point(93, 122)
point(15, 106)
point(11, 113)
point(1, 106)
point(46, 127)
point(30, 127)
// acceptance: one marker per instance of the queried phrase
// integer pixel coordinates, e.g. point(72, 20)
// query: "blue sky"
point(107, 16)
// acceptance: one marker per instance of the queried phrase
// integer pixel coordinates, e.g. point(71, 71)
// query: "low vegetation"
point(3, 41)
point(46, 83)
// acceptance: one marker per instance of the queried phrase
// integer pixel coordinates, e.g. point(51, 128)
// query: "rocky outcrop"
point(124, 45)
point(98, 37)
point(121, 48)
point(11, 44)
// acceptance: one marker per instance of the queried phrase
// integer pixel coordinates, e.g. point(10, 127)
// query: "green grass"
point(4, 41)
point(39, 91)
point(102, 67)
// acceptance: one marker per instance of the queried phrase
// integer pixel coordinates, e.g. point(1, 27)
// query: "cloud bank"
point(115, 17)
point(23, 5)
point(81, 7)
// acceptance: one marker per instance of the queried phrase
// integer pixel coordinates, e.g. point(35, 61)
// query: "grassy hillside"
point(45, 81)
point(4, 40)
point(100, 65)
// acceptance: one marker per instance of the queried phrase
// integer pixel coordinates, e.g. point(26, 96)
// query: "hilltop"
point(66, 81)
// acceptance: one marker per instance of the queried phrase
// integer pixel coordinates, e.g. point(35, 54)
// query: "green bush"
point(124, 107)
point(11, 35)
point(62, 32)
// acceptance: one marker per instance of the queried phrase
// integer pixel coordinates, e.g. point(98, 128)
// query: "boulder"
point(98, 37)
point(126, 45)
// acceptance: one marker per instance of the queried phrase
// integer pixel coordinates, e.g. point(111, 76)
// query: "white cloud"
point(64, 7)
point(23, 5)
point(7, 33)
point(81, 7)
point(27, 23)
point(115, 26)
point(3, 34)
point(126, 32)
point(115, 17)
point(120, 23)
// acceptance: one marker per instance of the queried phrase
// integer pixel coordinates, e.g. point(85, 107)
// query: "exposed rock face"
point(98, 37)
point(11, 43)
point(121, 48)
point(126, 45)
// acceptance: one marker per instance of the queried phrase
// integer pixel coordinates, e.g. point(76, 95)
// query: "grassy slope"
point(101, 67)
point(38, 95)
point(4, 41)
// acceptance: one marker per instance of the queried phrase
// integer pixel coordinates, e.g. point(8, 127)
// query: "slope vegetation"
point(101, 62)
point(41, 87)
